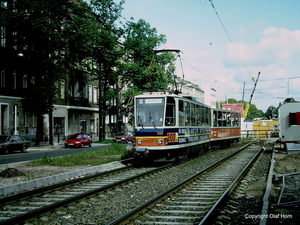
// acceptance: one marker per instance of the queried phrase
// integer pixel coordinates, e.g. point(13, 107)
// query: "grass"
point(245, 140)
point(106, 141)
point(114, 152)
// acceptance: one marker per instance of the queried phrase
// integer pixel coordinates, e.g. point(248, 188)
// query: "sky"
point(226, 43)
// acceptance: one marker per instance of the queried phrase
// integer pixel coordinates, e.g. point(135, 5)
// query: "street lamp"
point(16, 109)
point(15, 122)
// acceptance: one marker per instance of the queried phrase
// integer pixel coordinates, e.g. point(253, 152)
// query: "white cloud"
point(276, 46)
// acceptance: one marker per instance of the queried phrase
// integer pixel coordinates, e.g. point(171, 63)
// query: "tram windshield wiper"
point(151, 120)
point(153, 123)
point(141, 121)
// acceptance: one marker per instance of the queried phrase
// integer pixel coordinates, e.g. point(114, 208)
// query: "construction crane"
point(249, 103)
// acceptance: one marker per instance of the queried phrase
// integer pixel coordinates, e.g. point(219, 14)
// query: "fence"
point(259, 133)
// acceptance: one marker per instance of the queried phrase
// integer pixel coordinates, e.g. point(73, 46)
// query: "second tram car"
point(169, 125)
point(225, 127)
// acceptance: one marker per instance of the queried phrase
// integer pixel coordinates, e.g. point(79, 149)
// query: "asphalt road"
point(32, 154)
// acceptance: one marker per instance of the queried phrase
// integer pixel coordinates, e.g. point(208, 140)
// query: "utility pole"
point(243, 91)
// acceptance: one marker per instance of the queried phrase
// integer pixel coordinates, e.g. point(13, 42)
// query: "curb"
point(37, 183)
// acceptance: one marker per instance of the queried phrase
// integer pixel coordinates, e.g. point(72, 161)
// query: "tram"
point(225, 128)
point(169, 125)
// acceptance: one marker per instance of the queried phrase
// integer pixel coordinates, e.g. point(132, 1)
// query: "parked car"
point(10, 143)
point(78, 140)
point(124, 137)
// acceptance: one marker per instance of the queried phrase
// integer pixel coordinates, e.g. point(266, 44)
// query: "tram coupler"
point(141, 152)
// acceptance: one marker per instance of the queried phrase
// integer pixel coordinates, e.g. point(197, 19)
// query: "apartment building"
point(77, 101)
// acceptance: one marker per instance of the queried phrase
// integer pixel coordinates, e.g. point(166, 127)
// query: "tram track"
point(195, 199)
point(102, 205)
point(26, 205)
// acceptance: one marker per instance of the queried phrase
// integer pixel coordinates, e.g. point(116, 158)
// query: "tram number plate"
point(172, 137)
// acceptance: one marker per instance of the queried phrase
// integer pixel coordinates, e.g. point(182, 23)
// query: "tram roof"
point(170, 94)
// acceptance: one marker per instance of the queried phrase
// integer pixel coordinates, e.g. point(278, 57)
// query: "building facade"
point(76, 108)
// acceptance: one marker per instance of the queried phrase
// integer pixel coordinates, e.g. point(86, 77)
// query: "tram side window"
point(228, 122)
point(181, 113)
point(193, 119)
point(221, 119)
point(215, 118)
point(207, 116)
point(187, 114)
point(234, 119)
point(198, 113)
point(202, 115)
point(229, 119)
point(170, 112)
point(238, 119)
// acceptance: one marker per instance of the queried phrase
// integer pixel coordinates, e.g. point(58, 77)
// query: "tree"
point(140, 41)
point(108, 51)
point(254, 112)
point(271, 113)
point(59, 38)
point(144, 69)
point(44, 30)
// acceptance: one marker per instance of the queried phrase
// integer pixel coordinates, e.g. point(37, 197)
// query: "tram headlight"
point(159, 141)
point(139, 141)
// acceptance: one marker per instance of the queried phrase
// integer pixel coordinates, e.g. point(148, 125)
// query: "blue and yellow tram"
point(169, 125)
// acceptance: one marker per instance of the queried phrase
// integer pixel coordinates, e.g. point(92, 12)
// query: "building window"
point(15, 40)
point(74, 90)
point(3, 4)
point(29, 122)
point(25, 81)
point(2, 78)
point(95, 94)
point(32, 81)
point(3, 36)
point(294, 118)
point(62, 89)
point(90, 93)
point(15, 79)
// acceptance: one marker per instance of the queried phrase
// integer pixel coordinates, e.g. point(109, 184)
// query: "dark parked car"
point(78, 140)
point(10, 143)
point(124, 137)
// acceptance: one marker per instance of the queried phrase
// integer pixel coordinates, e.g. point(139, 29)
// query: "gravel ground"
point(103, 208)
point(245, 206)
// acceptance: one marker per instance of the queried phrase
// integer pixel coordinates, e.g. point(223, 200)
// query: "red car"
point(124, 137)
point(78, 140)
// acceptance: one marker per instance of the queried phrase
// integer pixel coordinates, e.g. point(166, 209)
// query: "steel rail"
point(239, 177)
point(126, 217)
point(58, 185)
point(47, 208)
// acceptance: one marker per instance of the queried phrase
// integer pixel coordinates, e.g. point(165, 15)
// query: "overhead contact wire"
point(229, 38)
